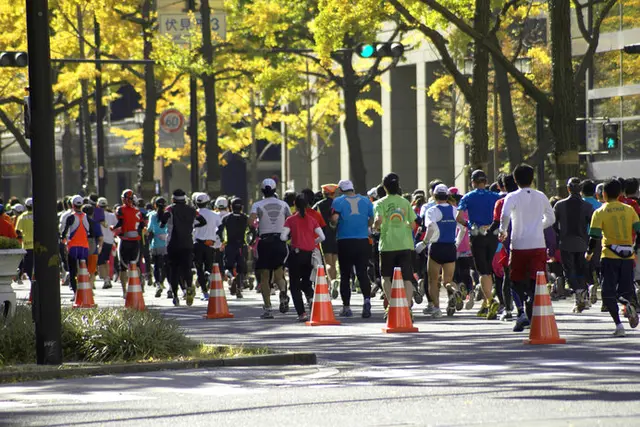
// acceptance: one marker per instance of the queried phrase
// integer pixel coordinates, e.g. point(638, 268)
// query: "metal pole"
point(193, 121)
point(99, 113)
point(46, 291)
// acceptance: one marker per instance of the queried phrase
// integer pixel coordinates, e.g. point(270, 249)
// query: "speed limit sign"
point(171, 121)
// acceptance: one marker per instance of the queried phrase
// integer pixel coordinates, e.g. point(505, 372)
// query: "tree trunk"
point(254, 193)
point(358, 171)
point(146, 186)
point(563, 121)
point(211, 119)
point(511, 135)
point(479, 149)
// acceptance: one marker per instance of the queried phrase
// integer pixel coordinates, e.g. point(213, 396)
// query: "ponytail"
point(301, 204)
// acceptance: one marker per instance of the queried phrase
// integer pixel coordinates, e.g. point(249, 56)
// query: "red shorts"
point(525, 263)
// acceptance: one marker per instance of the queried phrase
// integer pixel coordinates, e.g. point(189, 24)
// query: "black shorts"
point(128, 252)
point(330, 244)
point(392, 259)
point(105, 254)
point(272, 252)
point(234, 257)
point(484, 249)
point(443, 253)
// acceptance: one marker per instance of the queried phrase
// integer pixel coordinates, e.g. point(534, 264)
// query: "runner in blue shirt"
point(479, 205)
point(354, 215)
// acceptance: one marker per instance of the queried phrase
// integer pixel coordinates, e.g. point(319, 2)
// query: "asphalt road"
point(455, 372)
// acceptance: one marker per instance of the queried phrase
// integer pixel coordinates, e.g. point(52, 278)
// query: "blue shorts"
point(78, 253)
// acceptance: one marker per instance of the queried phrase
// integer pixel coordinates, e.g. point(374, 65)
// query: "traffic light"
point(632, 49)
point(380, 50)
point(610, 135)
point(14, 59)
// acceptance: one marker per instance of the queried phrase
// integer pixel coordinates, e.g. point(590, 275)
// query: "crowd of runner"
point(485, 246)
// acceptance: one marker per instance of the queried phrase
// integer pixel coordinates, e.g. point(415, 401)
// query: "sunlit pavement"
point(458, 370)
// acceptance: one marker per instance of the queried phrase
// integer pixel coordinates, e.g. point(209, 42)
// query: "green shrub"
point(98, 335)
point(8, 243)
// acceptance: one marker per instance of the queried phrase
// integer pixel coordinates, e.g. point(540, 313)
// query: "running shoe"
point(239, 295)
point(335, 289)
point(630, 313)
point(170, 294)
point(366, 310)
point(176, 301)
point(346, 311)
point(107, 284)
point(303, 317)
point(437, 313)
point(478, 292)
point(492, 312)
point(266, 314)
point(459, 300)
point(417, 297)
point(484, 310)
point(521, 322)
point(463, 291)
point(603, 308)
point(471, 300)
point(429, 309)
point(506, 316)
point(191, 293)
point(619, 332)
point(205, 297)
point(284, 303)
point(158, 291)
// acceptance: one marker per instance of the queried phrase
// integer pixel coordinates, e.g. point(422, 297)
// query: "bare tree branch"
point(170, 85)
point(580, 18)
point(17, 134)
point(593, 45)
point(505, 9)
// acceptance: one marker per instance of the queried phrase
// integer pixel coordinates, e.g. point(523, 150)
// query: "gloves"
point(420, 246)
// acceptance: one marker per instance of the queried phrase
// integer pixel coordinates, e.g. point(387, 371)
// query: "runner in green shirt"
point(395, 218)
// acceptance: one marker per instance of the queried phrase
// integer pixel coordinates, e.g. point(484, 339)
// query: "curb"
point(265, 360)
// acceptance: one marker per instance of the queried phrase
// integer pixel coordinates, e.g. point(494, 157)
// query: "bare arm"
point(460, 219)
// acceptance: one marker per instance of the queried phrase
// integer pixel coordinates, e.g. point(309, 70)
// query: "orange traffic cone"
point(134, 297)
point(543, 324)
point(322, 310)
point(399, 318)
point(84, 291)
point(218, 307)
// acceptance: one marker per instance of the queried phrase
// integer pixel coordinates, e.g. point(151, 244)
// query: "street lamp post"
point(46, 290)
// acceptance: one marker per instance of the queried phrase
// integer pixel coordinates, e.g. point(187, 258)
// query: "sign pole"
point(46, 291)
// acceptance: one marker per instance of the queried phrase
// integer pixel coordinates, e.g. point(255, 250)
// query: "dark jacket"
point(180, 219)
point(573, 216)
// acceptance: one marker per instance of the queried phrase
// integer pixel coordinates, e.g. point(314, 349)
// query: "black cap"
point(478, 175)
point(574, 184)
point(390, 178)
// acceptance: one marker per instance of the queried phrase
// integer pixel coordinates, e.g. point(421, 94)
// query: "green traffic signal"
point(611, 143)
point(366, 50)
point(380, 50)
point(610, 135)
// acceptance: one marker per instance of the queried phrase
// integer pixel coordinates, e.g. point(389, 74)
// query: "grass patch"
point(109, 335)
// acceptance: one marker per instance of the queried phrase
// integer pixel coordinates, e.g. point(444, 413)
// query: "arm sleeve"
point(320, 234)
point(505, 218)
point(463, 203)
point(284, 235)
point(201, 222)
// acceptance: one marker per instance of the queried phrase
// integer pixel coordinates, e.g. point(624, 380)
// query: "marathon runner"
point(129, 229)
point(330, 243)
point(616, 225)
point(396, 220)
point(353, 215)
point(529, 213)
point(75, 233)
point(573, 216)
point(232, 232)
point(593, 276)
point(479, 205)
point(204, 240)
point(181, 219)
point(158, 246)
point(271, 214)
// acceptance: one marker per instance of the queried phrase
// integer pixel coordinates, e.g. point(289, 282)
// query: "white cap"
point(268, 182)
point(18, 208)
point(194, 196)
point(77, 200)
point(29, 202)
point(222, 203)
point(202, 198)
point(441, 189)
point(345, 185)
point(102, 202)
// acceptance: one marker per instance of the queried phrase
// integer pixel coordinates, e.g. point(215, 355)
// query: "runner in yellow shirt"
point(24, 224)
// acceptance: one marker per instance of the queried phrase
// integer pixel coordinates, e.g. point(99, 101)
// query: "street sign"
point(593, 138)
point(178, 25)
point(171, 133)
